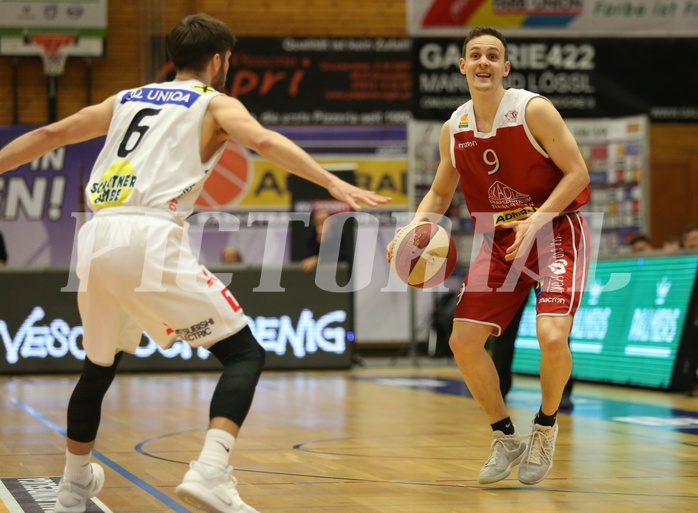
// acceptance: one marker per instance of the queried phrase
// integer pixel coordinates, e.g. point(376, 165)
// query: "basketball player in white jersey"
point(137, 271)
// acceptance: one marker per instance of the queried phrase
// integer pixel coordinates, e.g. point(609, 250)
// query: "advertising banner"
point(611, 18)
point(37, 201)
point(323, 81)
point(244, 182)
point(630, 325)
point(300, 325)
point(584, 78)
point(85, 17)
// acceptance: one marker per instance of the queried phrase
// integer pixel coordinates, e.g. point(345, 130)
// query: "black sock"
point(506, 426)
point(545, 420)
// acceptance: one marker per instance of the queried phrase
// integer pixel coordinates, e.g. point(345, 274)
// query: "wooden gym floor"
point(382, 439)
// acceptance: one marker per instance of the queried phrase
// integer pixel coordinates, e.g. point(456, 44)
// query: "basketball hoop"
point(53, 51)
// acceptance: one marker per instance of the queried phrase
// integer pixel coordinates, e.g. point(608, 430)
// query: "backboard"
point(85, 19)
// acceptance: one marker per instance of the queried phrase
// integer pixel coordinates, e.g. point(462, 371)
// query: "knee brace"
point(85, 405)
point(243, 360)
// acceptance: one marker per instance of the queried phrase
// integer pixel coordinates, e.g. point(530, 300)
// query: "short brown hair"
point(487, 31)
point(196, 39)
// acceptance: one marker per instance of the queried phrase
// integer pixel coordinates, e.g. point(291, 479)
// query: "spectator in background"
point(324, 226)
point(3, 251)
point(231, 255)
point(689, 236)
point(672, 243)
point(640, 243)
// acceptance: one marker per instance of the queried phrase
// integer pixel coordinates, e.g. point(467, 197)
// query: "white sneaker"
point(538, 458)
point(212, 490)
point(73, 497)
point(505, 452)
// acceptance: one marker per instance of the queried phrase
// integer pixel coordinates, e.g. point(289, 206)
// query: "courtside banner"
point(300, 325)
point(584, 78)
point(244, 182)
point(37, 201)
point(323, 81)
point(605, 18)
point(635, 325)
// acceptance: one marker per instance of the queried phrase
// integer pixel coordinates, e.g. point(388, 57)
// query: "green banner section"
point(629, 327)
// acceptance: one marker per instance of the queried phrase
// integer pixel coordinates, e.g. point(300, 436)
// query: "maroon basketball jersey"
point(505, 173)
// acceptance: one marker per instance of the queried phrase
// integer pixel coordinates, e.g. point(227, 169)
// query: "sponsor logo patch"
point(195, 331)
point(512, 215)
point(503, 197)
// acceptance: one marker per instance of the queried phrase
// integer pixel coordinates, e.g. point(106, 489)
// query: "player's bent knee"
point(85, 405)
point(241, 346)
point(243, 360)
point(554, 344)
point(464, 346)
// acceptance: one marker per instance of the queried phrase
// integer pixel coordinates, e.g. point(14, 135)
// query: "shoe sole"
point(529, 483)
point(191, 493)
point(504, 474)
point(61, 509)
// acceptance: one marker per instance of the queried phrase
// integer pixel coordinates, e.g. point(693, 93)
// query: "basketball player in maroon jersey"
point(524, 179)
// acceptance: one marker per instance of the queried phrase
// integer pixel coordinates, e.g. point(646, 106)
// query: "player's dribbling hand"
point(389, 248)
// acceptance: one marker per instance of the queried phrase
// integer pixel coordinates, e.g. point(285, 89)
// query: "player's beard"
point(218, 82)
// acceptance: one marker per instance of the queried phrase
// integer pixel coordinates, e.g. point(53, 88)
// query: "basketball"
point(423, 255)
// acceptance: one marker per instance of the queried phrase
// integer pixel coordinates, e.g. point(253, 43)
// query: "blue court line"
point(621, 412)
point(167, 501)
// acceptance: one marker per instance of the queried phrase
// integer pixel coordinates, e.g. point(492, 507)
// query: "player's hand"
point(389, 248)
point(526, 231)
point(525, 234)
point(352, 195)
point(309, 264)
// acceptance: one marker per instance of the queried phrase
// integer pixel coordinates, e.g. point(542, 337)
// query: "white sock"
point(217, 447)
point(78, 468)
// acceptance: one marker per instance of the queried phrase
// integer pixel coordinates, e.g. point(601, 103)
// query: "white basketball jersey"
point(151, 156)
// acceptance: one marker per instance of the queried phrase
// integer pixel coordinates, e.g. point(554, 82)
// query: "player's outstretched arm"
point(236, 121)
point(85, 124)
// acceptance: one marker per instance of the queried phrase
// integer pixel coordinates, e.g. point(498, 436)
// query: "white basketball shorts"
point(138, 273)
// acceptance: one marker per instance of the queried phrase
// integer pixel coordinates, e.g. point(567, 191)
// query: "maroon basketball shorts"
point(557, 265)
